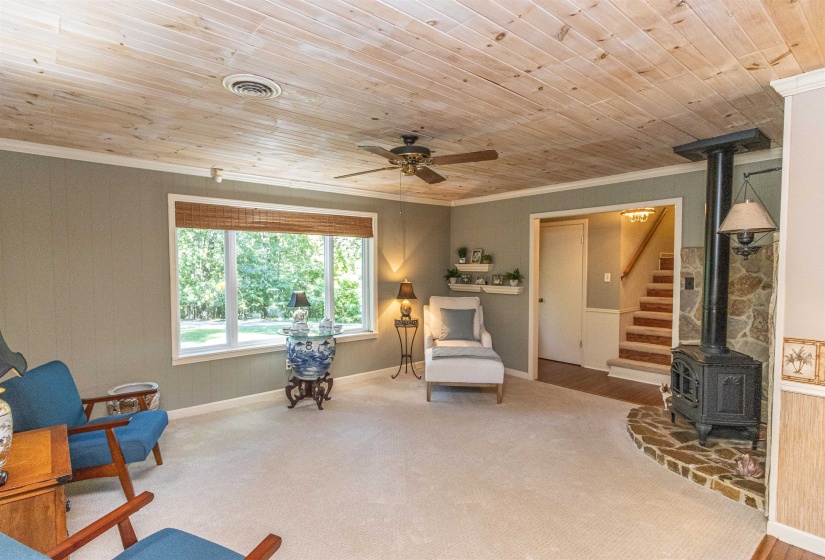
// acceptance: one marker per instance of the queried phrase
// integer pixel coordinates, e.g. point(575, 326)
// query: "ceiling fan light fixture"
point(251, 86)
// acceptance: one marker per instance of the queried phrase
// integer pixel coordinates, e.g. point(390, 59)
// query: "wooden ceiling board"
point(564, 90)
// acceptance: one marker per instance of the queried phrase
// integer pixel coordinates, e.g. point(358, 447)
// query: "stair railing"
point(632, 262)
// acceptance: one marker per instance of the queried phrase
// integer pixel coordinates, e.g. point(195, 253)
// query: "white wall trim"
point(518, 373)
point(275, 396)
point(638, 375)
point(799, 84)
point(750, 157)
point(535, 228)
point(802, 389)
point(797, 538)
point(125, 161)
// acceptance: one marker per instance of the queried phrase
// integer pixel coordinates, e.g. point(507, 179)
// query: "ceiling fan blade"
point(379, 151)
point(485, 155)
point(364, 172)
point(428, 175)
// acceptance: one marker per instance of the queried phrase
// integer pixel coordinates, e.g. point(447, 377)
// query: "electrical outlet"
point(288, 365)
point(607, 277)
point(689, 283)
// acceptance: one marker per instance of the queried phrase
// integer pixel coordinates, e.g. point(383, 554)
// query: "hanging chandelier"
point(639, 214)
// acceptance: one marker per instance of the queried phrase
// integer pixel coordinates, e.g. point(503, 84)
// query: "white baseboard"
point(641, 376)
point(597, 366)
point(278, 394)
point(797, 538)
point(517, 373)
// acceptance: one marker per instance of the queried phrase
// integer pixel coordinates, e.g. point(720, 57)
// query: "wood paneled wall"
point(84, 261)
point(800, 485)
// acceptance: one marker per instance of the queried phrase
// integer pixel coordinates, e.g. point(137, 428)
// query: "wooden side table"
point(33, 501)
point(406, 345)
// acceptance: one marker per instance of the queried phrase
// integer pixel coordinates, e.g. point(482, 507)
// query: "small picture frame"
point(481, 280)
point(476, 258)
point(464, 279)
point(800, 359)
point(498, 280)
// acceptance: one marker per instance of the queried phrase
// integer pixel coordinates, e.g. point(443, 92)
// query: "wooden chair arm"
point(105, 425)
point(266, 549)
point(119, 396)
point(119, 517)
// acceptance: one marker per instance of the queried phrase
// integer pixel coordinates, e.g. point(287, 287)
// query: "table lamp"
point(299, 302)
point(405, 293)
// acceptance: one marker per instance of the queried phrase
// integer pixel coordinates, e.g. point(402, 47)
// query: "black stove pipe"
point(717, 252)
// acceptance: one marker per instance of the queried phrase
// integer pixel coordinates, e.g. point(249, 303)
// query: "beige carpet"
point(380, 473)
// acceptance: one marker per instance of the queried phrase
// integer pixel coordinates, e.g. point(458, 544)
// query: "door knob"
point(541, 300)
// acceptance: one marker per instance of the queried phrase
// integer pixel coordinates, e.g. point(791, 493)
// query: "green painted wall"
point(84, 252)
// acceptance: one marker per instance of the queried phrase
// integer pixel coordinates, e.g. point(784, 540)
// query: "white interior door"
point(561, 278)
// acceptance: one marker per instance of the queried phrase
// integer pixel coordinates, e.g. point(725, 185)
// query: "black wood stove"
point(712, 385)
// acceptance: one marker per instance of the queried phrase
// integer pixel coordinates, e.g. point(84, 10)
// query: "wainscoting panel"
point(800, 489)
point(601, 338)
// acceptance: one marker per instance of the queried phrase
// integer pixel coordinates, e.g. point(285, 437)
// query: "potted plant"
point(462, 255)
point(514, 277)
point(452, 275)
point(486, 259)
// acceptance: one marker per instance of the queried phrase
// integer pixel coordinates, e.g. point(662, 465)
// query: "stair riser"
point(660, 292)
point(643, 322)
point(665, 264)
point(650, 339)
point(645, 357)
point(663, 280)
point(662, 307)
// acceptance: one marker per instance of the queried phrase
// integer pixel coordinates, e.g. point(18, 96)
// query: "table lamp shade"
point(299, 299)
point(405, 291)
point(747, 216)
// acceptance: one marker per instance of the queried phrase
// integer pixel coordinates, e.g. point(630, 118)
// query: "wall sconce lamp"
point(299, 301)
point(748, 218)
point(639, 214)
point(405, 293)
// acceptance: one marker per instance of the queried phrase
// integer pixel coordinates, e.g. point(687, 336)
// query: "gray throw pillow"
point(457, 324)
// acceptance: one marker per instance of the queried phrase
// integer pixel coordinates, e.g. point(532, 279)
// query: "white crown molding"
point(125, 161)
point(800, 83)
point(751, 157)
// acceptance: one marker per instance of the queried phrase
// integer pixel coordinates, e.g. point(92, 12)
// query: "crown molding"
point(125, 161)
point(800, 83)
point(750, 157)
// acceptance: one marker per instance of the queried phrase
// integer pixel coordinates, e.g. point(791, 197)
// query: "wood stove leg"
point(704, 430)
point(753, 435)
point(672, 417)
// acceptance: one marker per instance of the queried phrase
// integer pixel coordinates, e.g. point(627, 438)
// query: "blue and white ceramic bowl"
point(310, 357)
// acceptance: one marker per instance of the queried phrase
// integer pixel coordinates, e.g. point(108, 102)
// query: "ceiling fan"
point(413, 159)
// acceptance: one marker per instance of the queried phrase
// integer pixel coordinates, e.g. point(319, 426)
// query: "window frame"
point(368, 286)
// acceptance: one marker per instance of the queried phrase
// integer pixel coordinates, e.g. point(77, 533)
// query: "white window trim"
point(369, 286)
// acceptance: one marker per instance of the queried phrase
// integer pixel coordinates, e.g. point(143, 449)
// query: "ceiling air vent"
point(249, 85)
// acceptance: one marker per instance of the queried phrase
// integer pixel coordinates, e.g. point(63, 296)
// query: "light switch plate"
point(607, 277)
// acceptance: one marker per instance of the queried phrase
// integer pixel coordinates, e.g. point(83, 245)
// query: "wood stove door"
point(730, 401)
point(685, 385)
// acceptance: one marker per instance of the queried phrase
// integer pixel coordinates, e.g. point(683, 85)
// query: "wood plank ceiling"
point(563, 89)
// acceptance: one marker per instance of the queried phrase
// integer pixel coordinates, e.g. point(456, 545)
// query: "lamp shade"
point(748, 216)
point(405, 291)
point(299, 299)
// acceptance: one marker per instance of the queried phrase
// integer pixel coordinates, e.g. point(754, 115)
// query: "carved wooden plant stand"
point(316, 388)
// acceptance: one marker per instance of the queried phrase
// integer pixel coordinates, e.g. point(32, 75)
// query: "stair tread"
point(662, 273)
point(645, 347)
point(655, 299)
point(663, 315)
point(659, 286)
point(641, 366)
point(652, 331)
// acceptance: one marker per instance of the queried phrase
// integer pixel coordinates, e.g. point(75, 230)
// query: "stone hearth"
point(676, 446)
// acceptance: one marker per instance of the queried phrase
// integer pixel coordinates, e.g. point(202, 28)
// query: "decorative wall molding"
point(800, 83)
point(802, 388)
point(751, 157)
point(125, 161)
point(797, 538)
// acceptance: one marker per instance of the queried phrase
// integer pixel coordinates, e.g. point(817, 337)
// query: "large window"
point(232, 286)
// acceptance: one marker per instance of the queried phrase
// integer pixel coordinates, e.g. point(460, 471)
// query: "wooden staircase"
point(644, 353)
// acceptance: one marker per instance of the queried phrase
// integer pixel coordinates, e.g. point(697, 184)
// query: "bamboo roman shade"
point(217, 216)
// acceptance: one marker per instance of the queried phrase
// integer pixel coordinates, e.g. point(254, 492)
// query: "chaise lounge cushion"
point(136, 439)
point(438, 302)
point(462, 370)
point(458, 324)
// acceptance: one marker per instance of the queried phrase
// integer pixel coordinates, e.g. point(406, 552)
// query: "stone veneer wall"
point(751, 287)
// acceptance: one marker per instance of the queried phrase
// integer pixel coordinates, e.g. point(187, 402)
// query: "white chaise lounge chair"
point(478, 367)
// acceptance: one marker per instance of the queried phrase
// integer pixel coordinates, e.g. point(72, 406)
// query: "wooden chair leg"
point(500, 394)
point(429, 390)
point(156, 452)
point(120, 465)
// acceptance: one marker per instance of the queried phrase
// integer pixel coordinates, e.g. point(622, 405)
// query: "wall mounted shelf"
point(474, 267)
point(512, 290)
point(465, 287)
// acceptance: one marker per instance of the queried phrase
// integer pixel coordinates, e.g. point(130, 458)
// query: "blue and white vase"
point(310, 357)
point(5, 434)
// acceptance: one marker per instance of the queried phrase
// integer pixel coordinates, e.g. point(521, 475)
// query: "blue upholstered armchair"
point(47, 396)
point(167, 544)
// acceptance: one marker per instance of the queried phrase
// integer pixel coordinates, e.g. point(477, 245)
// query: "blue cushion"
point(457, 324)
point(136, 439)
point(45, 396)
point(10, 548)
point(171, 544)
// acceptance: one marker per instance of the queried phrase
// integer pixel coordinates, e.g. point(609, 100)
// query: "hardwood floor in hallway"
point(597, 382)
